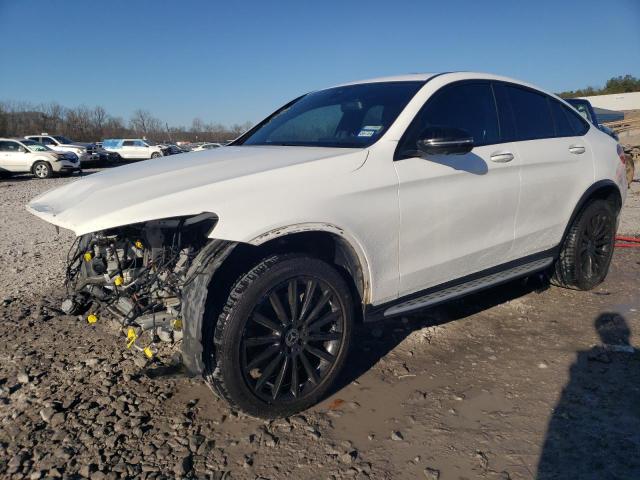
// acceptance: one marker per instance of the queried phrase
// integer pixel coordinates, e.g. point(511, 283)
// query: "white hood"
point(190, 184)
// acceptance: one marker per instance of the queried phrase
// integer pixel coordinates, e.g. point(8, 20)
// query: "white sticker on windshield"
point(366, 133)
point(369, 130)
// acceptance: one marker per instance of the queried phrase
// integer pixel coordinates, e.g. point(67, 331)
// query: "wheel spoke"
point(269, 352)
point(265, 322)
point(313, 378)
point(256, 341)
point(268, 371)
point(275, 390)
point(306, 300)
point(329, 317)
point(293, 300)
point(324, 337)
point(326, 296)
point(322, 354)
point(295, 383)
point(278, 308)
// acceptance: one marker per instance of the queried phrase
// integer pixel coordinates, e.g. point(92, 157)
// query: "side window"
point(531, 112)
point(10, 147)
point(139, 143)
point(36, 139)
point(579, 125)
point(128, 143)
point(469, 106)
point(563, 125)
point(48, 141)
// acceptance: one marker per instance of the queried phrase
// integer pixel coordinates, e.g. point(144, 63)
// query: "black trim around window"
point(517, 138)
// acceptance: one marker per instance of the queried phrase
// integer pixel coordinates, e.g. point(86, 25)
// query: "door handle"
point(502, 157)
point(577, 149)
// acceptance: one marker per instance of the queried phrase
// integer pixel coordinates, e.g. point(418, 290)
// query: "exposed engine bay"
point(135, 274)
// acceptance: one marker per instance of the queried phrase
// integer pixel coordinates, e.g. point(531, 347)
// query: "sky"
point(232, 62)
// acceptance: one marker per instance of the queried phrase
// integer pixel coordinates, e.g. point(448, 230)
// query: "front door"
point(457, 211)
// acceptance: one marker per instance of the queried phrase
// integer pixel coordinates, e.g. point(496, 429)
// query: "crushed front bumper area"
point(135, 274)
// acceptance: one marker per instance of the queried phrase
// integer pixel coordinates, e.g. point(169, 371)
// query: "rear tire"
point(282, 337)
point(586, 253)
point(42, 170)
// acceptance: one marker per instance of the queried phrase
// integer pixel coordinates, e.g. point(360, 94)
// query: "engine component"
point(136, 273)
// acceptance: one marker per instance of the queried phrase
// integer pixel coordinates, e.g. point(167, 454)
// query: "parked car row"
point(44, 155)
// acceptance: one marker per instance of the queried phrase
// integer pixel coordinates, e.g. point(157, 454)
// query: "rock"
point(47, 413)
point(91, 362)
point(431, 473)
point(349, 457)
point(183, 466)
point(397, 436)
point(23, 378)
point(57, 419)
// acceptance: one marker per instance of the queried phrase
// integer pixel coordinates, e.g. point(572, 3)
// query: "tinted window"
point(48, 141)
point(128, 143)
point(348, 116)
point(139, 143)
point(578, 124)
point(531, 112)
point(9, 146)
point(469, 106)
point(563, 125)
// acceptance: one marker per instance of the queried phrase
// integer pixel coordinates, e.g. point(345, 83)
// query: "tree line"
point(620, 84)
point(91, 124)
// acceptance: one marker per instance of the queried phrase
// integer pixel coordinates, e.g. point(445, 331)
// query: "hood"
point(187, 184)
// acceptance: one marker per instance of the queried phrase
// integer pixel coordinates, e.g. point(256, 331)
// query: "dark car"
point(585, 109)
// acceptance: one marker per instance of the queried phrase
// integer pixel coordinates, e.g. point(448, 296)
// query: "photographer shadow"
point(594, 432)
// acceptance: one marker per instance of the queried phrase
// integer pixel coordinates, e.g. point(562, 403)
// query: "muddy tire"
point(586, 253)
point(42, 170)
point(282, 336)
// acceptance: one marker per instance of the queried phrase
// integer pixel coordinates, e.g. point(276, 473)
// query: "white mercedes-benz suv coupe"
point(368, 200)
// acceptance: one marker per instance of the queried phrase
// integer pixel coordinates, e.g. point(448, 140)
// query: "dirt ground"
point(519, 382)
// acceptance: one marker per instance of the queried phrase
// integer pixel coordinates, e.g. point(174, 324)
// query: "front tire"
point(586, 253)
point(42, 170)
point(282, 337)
point(155, 155)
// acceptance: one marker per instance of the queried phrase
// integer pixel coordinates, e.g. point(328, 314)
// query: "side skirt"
point(463, 286)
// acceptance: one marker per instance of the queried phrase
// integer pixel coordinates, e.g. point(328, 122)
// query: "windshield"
point(35, 146)
point(349, 116)
point(62, 139)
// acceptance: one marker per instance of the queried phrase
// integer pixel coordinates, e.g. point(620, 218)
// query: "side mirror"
point(444, 141)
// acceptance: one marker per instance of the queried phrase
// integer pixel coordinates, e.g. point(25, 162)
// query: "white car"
point(60, 143)
point(369, 200)
point(24, 156)
point(205, 146)
point(132, 148)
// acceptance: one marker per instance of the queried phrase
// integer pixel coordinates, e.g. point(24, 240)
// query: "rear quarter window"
point(531, 113)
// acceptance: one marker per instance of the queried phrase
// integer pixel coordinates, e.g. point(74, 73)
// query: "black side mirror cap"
point(444, 141)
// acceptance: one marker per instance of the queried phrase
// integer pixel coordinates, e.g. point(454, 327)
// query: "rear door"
point(556, 164)
point(128, 149)
point(13, 158)
point(457, 211)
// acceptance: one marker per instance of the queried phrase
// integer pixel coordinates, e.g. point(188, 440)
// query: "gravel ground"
point(515, 383)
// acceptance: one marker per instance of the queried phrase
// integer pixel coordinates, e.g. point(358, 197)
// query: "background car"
point(132, 148)
point(23, 156)
point(60, 143)
point(206, 146)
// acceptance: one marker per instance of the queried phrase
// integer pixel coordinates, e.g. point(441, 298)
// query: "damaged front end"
point(136, 274)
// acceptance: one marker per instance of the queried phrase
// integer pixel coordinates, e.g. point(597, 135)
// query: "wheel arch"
point(221, 262)
point(603, 189)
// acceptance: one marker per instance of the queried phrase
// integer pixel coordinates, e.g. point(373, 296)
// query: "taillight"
point(622, 155)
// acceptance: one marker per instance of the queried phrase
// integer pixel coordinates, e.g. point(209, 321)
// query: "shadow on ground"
point(594, 431)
